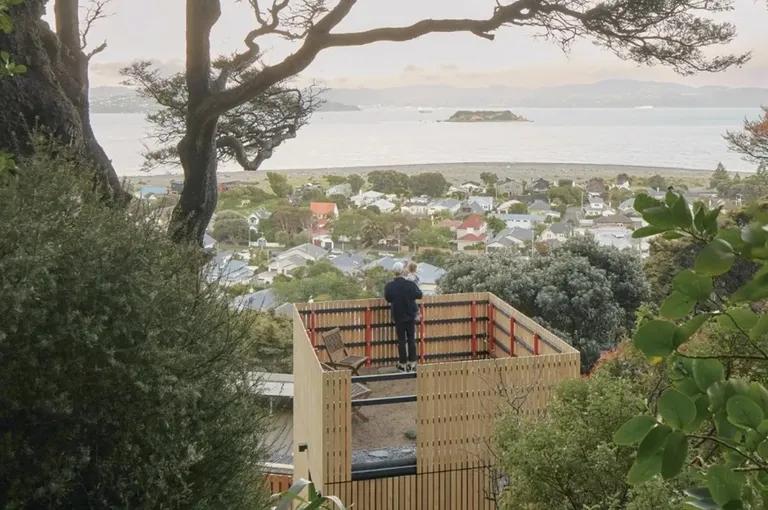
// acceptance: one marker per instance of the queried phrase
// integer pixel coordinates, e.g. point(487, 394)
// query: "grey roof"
point(521, 234)
point(428, 273)
point(627, 204)
point(348, 263)
point(507, 242)
point(448, 203)
point(224, 269)
point(560, 228)
point(474, 207)
point(481, 199)
point(387, 263)
point(261, 301)
point(539, 205)
point(309, 249)
point(518, 217)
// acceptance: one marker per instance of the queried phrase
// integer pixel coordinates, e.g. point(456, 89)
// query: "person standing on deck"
point(402, 294)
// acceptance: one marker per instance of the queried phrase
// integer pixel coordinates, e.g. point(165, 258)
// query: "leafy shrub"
point(124, 376)
point(567, 460)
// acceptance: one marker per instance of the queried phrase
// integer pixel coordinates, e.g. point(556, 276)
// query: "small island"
point(486, 116)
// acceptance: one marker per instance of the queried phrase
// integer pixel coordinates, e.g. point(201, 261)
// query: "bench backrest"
point(334, 345)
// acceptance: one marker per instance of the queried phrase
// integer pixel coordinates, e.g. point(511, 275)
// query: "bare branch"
point(95, 11)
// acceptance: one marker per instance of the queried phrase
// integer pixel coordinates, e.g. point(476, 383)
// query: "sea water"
point(664, 137)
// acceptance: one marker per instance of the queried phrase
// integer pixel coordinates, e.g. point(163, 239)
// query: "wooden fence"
point(480, 357)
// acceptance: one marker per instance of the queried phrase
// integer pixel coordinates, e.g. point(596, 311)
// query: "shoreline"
point(453, 172)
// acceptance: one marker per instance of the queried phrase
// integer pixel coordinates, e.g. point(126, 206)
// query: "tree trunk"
point(52, 96)
point(197, 150)
point(197, 203)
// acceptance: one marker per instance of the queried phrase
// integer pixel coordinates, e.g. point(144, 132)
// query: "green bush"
point(567, 460)
point(124, 376)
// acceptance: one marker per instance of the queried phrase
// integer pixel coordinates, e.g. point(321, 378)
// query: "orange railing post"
point(536, 350)
point(312, 319)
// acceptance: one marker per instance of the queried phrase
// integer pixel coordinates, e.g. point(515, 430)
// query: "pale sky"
point(154, 29)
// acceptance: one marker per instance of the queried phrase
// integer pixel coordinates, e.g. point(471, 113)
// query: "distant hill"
point(603, 94)
point(127, 100)
point(610, 93)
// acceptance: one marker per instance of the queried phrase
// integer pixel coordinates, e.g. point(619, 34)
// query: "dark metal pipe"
point(400, 399)
point(370, 474)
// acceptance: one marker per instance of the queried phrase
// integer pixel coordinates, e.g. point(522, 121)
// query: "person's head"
point(398, 268)
point(412, 267)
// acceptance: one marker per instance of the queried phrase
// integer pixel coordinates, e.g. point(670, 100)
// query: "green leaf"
point(653, 441)
point(681, 212)
point(677, 305)
point(643, 201)
point(715, 258)
point(660, 217)
point(702, 413)
point(675, 453)
point(634, 430)
point(671, 235)
point(647, 231)
point(644, 469)
point(737, 319)
point(744, 412)
point(724, 484)
point(707, 372)
point(677, 409)
point(732, 236)
point(692, 284)
point(655, 338)
point(710, 220)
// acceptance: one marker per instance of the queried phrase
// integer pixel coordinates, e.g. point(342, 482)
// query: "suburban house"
point(152, 192)
point(615, 220)
point(543, 209)
point(450, 224)
point(266, 277)
point(596, 186)
point(511, 238)
point(348, 263)
point(384, 205)
point(324, 210)
point(623, 181)
point(559, 231)
point(510, 188)
point(344, 190)
point(485, 203)
point(429, 277)
point(257, 216)
point(473, 224)
point(228, 271)
point(573, 214)
point(540, 185)
point(471, 187)
point(595, 207)
point(444, 205)
point(415, 208)
point(617, 237)
point(470, 241)
point(627, 207)
point(286, 262)
point(526, 221)
point(505, 207)
point(261, 301)
point(366, 198)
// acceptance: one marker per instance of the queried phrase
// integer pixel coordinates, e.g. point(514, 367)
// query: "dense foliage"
point(318, 282)
point(279, 184)
point(567, 459)
point(124, 376)
point(231, 227)
point(586, 292)
point(432, 184)
point(389, 181)
point(717, 396)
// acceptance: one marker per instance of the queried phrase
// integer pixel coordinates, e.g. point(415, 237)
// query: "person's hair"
point(412, 267)
point(398, 268)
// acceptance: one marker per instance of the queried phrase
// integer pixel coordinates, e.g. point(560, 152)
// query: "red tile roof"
point(472, 221)
point(473, 238)
point(322, 208)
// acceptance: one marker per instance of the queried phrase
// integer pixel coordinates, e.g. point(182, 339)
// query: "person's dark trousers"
point(406, 341)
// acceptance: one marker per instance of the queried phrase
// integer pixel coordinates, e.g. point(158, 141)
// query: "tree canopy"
point(125, 375)
point(432, 184)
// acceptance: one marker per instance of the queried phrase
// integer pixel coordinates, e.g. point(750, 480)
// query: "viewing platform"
point(478, 358)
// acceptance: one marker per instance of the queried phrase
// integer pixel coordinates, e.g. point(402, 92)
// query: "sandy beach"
point(459, 172)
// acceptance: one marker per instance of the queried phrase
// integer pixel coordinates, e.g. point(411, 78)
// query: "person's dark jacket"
point(402, 295)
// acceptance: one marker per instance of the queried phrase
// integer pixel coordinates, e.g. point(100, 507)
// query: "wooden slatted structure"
point(480, 356)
